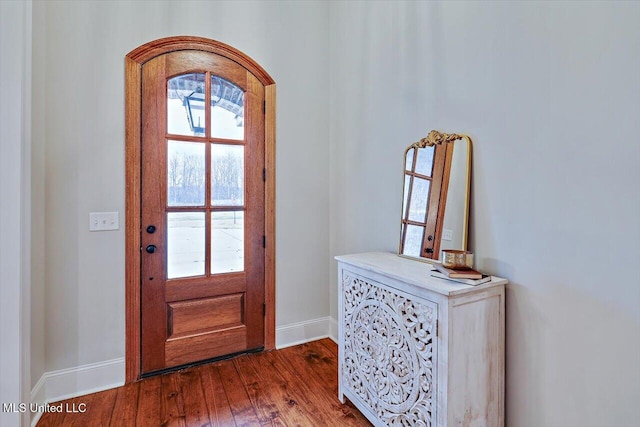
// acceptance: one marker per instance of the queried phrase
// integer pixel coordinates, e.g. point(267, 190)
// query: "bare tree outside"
point(227, 174)
point(186, 180)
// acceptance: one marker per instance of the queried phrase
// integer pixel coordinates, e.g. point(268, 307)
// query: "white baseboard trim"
point(35, 417)
point(38, 396)
point(302, 332)
point(80, 380)
point(38, 391)
point(333, 331)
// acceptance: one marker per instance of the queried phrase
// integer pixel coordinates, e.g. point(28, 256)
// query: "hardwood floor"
point(295, 386)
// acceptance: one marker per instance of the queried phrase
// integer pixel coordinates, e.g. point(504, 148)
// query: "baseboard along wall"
point(302, 332)
point(80, 380)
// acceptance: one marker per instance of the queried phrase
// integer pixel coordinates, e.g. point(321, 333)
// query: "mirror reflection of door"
point(426, 178)
point(202, 209)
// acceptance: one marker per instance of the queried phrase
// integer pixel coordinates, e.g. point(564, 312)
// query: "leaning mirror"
point(435, 202)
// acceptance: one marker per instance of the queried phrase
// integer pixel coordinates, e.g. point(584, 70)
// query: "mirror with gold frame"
point(435, 202)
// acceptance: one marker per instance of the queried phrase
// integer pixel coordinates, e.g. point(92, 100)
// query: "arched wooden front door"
point(199, 211)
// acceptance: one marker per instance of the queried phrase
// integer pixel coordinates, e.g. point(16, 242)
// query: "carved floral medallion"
point(388, 353)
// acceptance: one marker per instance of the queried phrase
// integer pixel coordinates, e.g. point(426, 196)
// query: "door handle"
point(150, 249)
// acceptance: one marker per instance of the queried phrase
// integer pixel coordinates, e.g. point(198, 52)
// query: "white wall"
point(15, 193)
point(550, 94)
point(38, 230)
point(79, 51)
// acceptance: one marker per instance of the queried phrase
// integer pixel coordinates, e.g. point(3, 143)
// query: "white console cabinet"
point(415, 350)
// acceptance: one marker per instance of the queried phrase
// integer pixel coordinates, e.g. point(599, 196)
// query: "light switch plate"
point(447, 234)
point(102, 221)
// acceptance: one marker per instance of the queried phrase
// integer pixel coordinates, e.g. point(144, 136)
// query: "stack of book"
point(467, 276)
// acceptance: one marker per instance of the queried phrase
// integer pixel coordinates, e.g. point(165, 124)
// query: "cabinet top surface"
point(414, 272)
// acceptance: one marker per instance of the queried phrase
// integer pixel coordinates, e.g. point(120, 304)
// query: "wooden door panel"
point(444, 190)
point(188, 319)
point(432, 219)
point(205, 315)
point(193, 61)
point(153, 319)
point(206, 346)
point(255, 217)
point(196, 287)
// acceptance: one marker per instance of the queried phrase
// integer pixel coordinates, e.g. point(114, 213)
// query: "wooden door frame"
point(133, 111)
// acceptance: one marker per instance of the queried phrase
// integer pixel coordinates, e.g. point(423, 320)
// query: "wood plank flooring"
point(295, 386)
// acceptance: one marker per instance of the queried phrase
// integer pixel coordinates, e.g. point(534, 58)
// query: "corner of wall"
point(80, 380)
point(302, 332)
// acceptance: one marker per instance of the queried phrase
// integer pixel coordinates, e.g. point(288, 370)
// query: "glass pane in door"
point(227, 175)
point(227, 109)
point(227, 242)
point(413, 240)
point(185, 105)
point(419, 200)
point(424, 161)
point(185, 244)
point(185, 173)
point(408, 164)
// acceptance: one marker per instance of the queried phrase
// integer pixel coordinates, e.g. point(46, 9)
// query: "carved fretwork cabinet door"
point(416, 350)
point(389, 343)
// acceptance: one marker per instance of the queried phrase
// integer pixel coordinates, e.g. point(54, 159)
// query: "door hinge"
point(264, 241)
point(437, 328)
point(264, 309)
point(264, 174)
point(264, 107)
